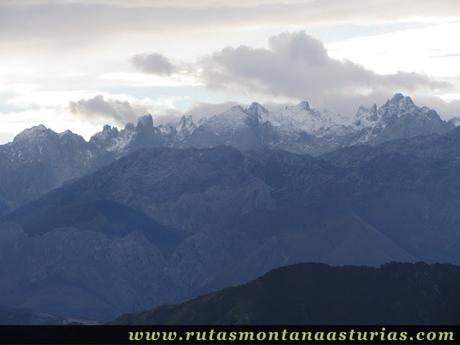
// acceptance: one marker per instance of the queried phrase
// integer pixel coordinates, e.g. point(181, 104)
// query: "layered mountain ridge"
point(164, 224)
point(151, 214)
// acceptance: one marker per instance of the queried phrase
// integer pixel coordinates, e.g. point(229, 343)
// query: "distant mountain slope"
point(320, 294)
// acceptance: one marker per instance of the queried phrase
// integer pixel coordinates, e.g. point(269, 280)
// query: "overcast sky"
point(79, 64)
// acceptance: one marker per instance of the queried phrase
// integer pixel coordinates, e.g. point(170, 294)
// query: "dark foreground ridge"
point(395, 293)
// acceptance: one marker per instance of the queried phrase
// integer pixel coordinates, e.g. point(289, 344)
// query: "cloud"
point(98, 106)
point(203, 110)
point(447, 109)
point(298, 67)
point(29, 20)
point(5, 137)
point(153, 63)
point(105, 109)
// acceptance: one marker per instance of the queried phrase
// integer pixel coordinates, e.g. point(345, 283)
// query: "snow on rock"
point(303, 118)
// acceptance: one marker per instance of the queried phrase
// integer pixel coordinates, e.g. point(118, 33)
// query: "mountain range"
point(149, 215)
point(38, 159)
point(294, 128)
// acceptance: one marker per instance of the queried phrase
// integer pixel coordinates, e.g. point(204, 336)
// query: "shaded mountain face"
point(102, 216)
point(320, 294)
point(164, 224)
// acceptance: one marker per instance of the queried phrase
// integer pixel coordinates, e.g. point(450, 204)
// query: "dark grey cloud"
point(98, 106)
point(298, 67)
point(154, 64)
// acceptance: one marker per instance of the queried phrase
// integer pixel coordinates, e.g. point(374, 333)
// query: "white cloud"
point(145, 79)
point(431, 50)
point(5, 137)
point(56, 118)
point(298, 66)
point(55, 52)
point(71, 21)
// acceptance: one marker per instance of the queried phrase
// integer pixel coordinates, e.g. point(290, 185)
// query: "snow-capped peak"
point(32, 133)
point(303, 118)
point(233, 117)
point(401, 115)
point(400, 104)
point(108, 133)
point(403, 106)
point(396, 107)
